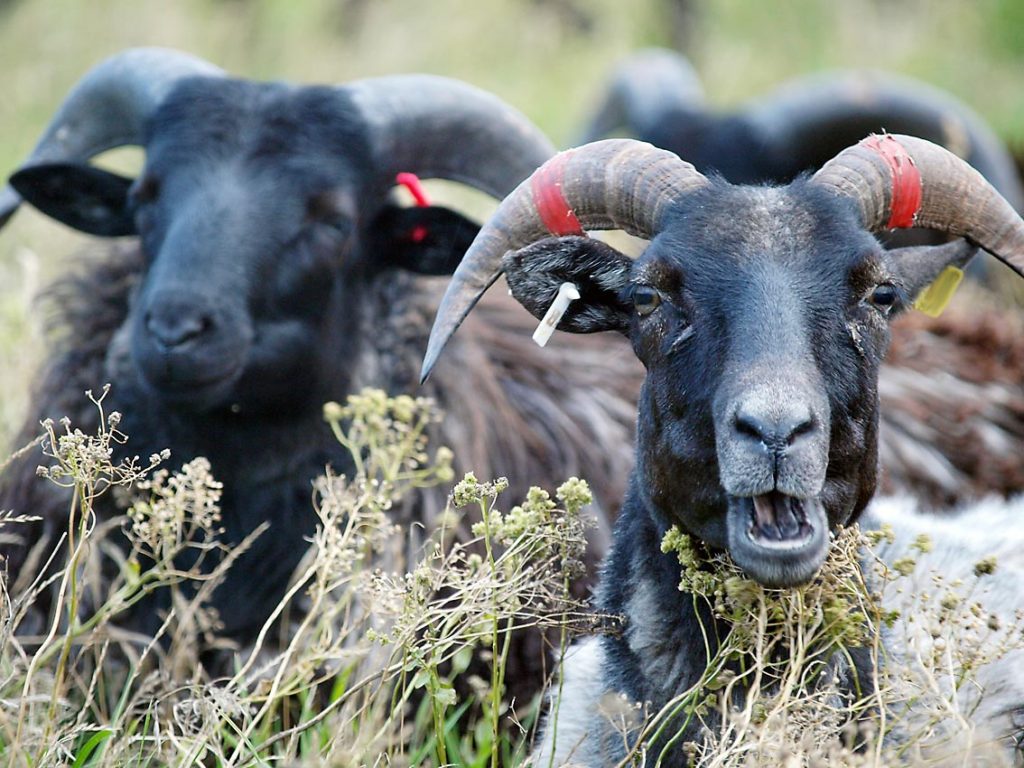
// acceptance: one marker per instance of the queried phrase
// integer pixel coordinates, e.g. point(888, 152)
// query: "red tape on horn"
point(906, 179)
point(552, 207)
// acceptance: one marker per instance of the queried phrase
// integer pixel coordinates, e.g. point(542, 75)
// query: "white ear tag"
point(567, 293)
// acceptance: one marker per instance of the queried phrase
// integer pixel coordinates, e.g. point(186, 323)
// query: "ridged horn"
point(437, 127)
point(613, 184)
point(108, 108)
point(902, 181)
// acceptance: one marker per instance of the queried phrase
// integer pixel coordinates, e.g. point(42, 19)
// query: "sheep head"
point(262, 211)
point(760, 313)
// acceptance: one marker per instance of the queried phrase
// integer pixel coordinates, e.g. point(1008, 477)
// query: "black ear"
point(79, 195)
point(599, 272)
point(916, 267)
point(428, 240)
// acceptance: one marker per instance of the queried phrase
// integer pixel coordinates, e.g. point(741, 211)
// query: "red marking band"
point(412, 182)
point(906, 179)
point(552, 207)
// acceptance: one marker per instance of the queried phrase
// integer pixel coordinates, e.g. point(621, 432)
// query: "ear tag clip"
point(934, 299)
point(567, 293)
point(412, 183)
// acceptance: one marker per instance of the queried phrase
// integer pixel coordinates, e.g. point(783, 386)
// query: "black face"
point(761, 315)
point(249, 222)
point(762, 335)
point(260, 217)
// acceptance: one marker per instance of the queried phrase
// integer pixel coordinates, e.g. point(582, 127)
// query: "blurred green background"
point(548, 57)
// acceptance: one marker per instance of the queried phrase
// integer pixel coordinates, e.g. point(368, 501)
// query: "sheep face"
point(260, 218)
point(761, 316)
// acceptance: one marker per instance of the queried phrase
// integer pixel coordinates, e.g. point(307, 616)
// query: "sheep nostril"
point(172, 330)
point(776, 432)
point(752, 427)
point(803, 428)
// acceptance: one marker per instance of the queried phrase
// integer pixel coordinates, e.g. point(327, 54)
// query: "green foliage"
point(1005, 26)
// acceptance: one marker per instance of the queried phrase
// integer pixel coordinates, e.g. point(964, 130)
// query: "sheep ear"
point(916, 267)
point(427, 240)
point(79, 195)
point(599, 272)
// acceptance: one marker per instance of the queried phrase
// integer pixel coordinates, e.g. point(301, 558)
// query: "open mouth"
point(779, 540)
point(779, 521)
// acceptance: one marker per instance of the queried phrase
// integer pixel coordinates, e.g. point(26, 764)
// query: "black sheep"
point(272, 273)
point(656, 96)
point(762, 316)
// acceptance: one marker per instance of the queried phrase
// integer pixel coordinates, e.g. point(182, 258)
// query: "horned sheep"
point(655, 95)
point(272, 271)
point(761, 315)
point(933, 445)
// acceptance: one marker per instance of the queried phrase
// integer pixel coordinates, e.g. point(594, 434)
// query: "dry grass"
point(356, 667)
point(777, 689)
point(374, 658)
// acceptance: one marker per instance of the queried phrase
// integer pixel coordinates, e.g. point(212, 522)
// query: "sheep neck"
point(661, 650)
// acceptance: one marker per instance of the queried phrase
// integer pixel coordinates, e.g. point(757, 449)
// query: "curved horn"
point(813, 118)
point(437, 127)
point(646, 87)
point(108, 108)
point(613, 184)
point(902, 181)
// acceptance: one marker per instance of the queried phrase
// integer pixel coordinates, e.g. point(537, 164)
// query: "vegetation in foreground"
point(374, 657)
point(356, 666)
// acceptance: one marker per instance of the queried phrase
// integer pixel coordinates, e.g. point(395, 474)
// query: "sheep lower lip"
point(778, 540)
point(779, 521)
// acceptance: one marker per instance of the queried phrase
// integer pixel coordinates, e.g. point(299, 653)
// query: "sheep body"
point(498, 385)
point(952, 393)
point(991, 701)
point(273, 271)
point(656, 96)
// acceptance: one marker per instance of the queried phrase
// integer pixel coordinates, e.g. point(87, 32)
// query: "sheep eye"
point(884, 297)
point(645, 299)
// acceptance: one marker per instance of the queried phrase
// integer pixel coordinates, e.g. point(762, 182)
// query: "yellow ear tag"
point(934, 299)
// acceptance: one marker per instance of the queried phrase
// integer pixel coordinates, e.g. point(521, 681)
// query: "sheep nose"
point(777, 428)
point(174, 322)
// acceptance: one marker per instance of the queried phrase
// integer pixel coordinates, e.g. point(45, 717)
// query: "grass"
point(374, 637)
point(380, 656)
